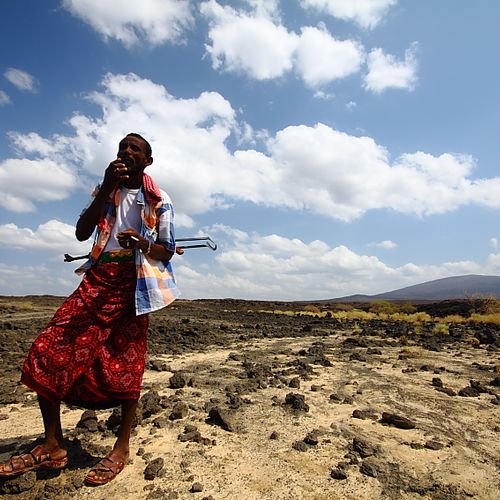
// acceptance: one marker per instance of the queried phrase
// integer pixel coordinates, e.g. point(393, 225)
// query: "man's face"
point(132, 152)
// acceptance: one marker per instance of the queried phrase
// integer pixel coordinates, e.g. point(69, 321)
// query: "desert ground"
point(242, 402)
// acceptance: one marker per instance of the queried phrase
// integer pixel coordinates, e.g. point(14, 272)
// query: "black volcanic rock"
point(397, 421)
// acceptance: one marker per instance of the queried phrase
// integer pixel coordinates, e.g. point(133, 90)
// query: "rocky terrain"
point(243, 404)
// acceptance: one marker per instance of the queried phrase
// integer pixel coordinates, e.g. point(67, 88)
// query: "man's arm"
point(115, 173)
point(132, 239)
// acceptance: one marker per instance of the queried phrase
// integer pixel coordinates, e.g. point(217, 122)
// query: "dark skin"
point(127, 170)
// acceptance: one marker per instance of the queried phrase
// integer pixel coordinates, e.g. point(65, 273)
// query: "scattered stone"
point(352, 457)
point(348, 400)
point(312, 438)
point(161, 494)
point(222, 418)
point(160, 422)
point(479, 387)
point(373, 350)
point(180, 410)
point(159, 366)
point(149, 404)
point(114, 419)
point(196, 488)
point(316, 354)
point(368, 469)
point(397, 421)
point(446, 390)
point(315, 388)
point(336, 398)
point(294, 383)
point(296, 401)
point(417, 446)
point(88, 421)
point(437, 382)
point(365, 414)
point(468, 392)
point(411, 369)
point(338, 473)
point(177, 380)
point(363, 448)
point(357, 356)
point(153, 469)
point(234, 401)
point(496, 381)
point(274, 435)
point(434, 445)
point(300, 446)
point(18, 484)
point(193, 436)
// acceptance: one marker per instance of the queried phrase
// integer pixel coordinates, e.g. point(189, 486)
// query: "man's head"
point(135, 152)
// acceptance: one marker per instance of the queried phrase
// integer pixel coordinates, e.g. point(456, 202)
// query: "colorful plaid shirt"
point(156, 287)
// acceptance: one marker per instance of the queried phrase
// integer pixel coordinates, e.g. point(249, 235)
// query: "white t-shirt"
point(128, 215)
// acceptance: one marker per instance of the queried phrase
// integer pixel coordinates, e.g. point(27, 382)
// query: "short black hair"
point(148, 151)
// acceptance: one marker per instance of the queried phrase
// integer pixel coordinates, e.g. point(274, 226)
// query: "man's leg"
point(118, 457)
point(51, 450)
point(123, 439)
point(51, 414)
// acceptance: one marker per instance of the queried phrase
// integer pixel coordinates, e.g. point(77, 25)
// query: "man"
point(92, 353)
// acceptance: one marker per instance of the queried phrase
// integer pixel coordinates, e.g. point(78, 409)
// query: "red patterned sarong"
point(93, 351)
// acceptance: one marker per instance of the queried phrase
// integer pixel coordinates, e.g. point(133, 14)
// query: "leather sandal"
point(37, 458)
point(107, 466)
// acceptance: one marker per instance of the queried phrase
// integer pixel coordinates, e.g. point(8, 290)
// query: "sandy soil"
point(245, 405)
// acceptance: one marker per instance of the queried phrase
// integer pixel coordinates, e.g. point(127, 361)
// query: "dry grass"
point(415, 318)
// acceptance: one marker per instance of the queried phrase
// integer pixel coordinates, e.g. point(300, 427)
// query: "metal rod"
point(209, 243)
point(70, 258)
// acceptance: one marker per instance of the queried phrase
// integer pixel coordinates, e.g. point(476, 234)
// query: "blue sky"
point(330, 147)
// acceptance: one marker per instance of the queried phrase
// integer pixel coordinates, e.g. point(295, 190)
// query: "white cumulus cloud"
point(149, 21)
point(314, 168)
point(366, 13)
point(320, 58)
point(386, 244)
point(40, 279)
point(250, 43)
point(385, 71)
point(246, 265)
point(21, 79)
point(52, 236)
point(4, 98)
point(24, 181)
point(256, 44)
point(275, 267)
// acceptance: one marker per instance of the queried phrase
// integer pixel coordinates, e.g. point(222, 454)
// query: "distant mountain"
point(455, 287)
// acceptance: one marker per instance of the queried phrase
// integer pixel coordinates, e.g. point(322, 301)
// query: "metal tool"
point(205, 242)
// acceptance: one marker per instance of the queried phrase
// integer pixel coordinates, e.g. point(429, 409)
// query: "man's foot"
point(106, 469)
point(38, 458)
